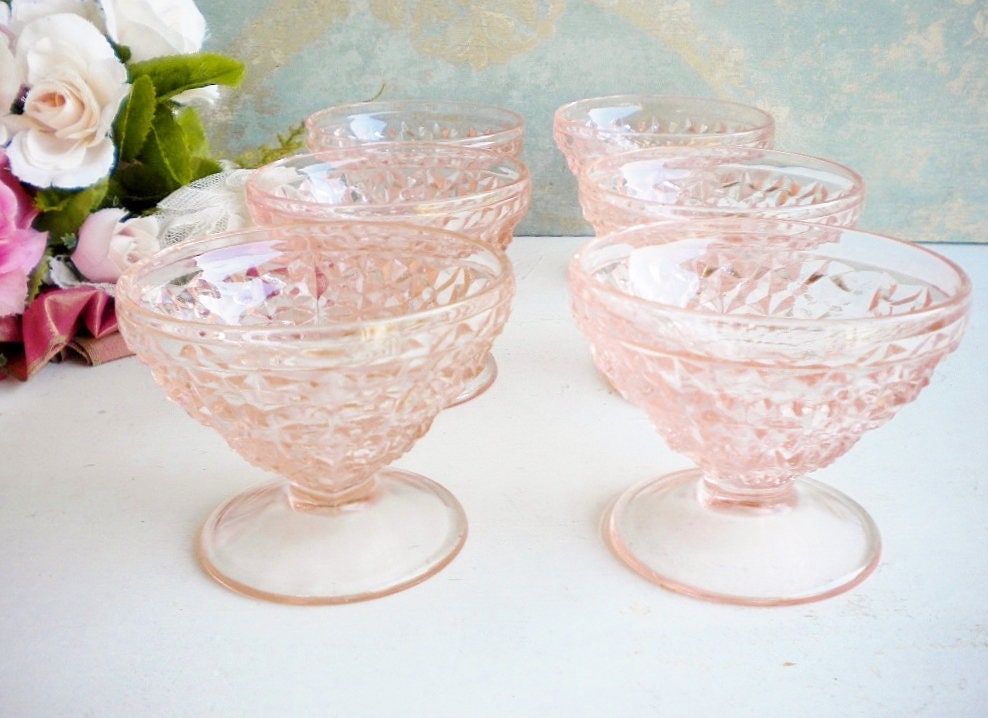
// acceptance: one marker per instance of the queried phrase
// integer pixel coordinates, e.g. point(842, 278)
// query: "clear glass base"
point(262, 545)
point(815, 544)
point(479, 383)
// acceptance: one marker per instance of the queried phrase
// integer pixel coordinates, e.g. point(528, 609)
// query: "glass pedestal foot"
point(820, 543)
point(478, 384)
point(259, 544)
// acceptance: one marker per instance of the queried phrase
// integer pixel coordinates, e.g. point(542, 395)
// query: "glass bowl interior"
point(413, 180)
point(781, 334)
point(738, 273)
point(713, 181)
point(283, 288)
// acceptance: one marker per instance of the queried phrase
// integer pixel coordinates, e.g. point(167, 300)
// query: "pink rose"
point(21, 246)
point(109, 243)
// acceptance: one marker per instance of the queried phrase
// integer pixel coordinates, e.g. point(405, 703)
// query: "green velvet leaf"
point(63, 212)
point(203, 166)
point(195, 133)
point(166, 152)
point(171, 157)
point(173, 74)
point(130, 129)
point(37, 276)
point(142, 186)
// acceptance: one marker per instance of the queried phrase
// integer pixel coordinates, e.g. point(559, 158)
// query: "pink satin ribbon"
point(79, 321)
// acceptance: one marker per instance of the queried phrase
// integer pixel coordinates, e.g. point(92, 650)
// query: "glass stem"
point(315, 498)
point(718, 493)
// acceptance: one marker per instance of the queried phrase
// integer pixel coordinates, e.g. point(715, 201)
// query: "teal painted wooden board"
point(896, 89)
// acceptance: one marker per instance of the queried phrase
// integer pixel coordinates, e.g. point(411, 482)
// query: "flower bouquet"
point(98, 124)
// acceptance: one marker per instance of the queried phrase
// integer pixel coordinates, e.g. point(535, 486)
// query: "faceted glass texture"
point(760, 362)
point(762, 350)
point(474, 192)
point(317, 353)
point(320, 353)
point(463, 124)
point(591, 128)
point(665, 183)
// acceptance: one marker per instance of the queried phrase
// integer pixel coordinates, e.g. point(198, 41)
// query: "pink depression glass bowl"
point(321, 353)
point(587, 129)
point(464, 124)
point(662, 183)
point(475, 192)
point(762, 350)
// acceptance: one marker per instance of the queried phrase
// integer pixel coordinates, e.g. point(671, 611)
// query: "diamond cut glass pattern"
point(476, 192)
point(591, 128)
point(700, 183)
point(762, 351)
point(321, 353)
point(461, 124)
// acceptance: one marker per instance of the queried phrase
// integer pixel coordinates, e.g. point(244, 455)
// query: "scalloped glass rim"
point(517, 176)
point(130, 285)
point(566, 119)
point(758, 229)
point(789, 163)
point(512, 122)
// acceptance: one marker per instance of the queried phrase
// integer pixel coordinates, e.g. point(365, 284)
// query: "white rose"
point(152, 28)
point(75, 84)
point(109, 242)
point(24, 11)
point(10, 85)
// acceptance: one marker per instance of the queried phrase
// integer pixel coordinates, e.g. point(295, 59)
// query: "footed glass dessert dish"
point(321, 353)
point(662, 183)
point(762, 350)
point(475, 192)
point(590, 128)
point(463, 124)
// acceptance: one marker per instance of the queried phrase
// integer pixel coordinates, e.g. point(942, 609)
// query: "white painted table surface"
point(105, 612)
